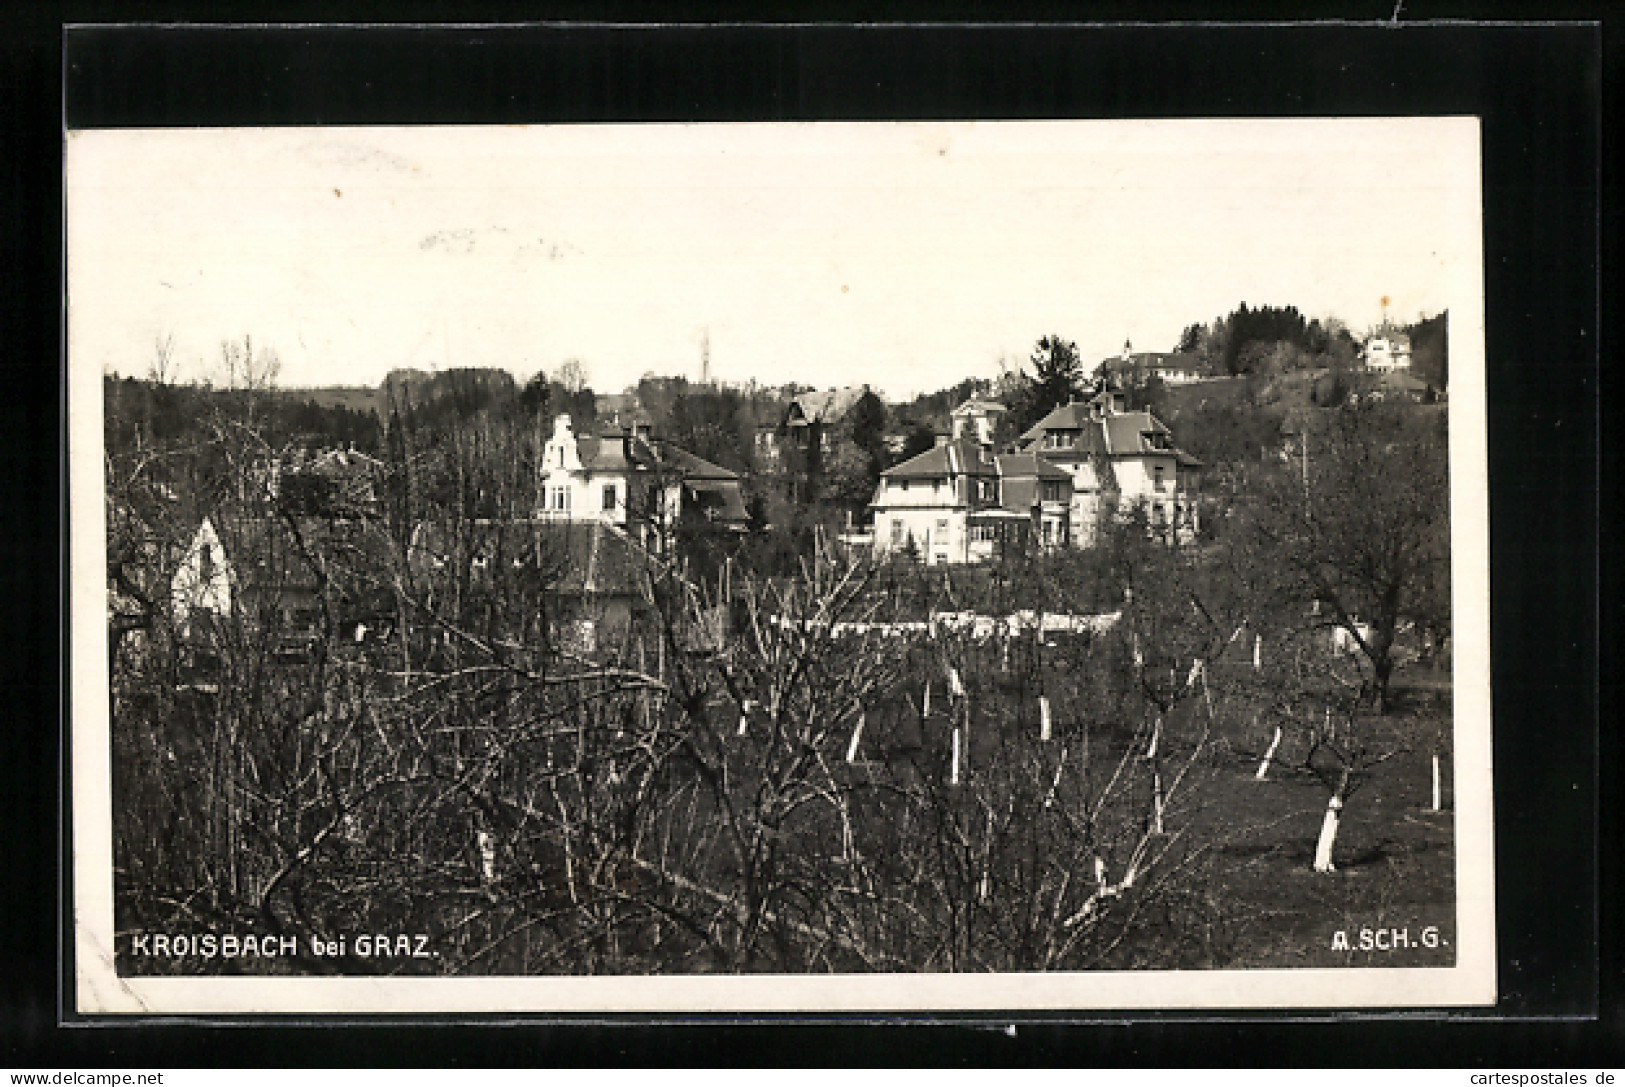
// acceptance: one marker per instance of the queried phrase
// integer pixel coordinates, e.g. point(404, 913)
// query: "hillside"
point(362, 399)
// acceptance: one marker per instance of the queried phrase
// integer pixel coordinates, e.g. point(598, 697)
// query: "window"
point(1157, 476)
point(942, 526)
point(609, 496)
point(897, 531)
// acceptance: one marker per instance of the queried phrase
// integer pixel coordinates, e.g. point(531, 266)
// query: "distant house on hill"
point(1134, 368)
point(1388, 352)
point(1179, 369)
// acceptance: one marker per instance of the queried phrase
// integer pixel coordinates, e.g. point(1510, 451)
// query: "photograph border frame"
point(1208, 1008)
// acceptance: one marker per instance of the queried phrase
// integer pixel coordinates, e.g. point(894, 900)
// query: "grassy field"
point(1395, 858)
point(1249, 897)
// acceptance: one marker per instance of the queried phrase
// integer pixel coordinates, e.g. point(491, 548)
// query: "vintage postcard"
point(1002, 566)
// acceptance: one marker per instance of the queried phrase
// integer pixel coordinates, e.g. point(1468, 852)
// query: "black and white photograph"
point(779, 567)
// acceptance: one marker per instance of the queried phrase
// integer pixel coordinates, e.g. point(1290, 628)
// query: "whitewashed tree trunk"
point(953, 770)
point(1258, 652)
point(1437, 791)
point(1264, 767)
point(488, 855)
point(1328, 836)
point(1156, 801)
point(925, 703)
point(857, 734)
point(1044, 724)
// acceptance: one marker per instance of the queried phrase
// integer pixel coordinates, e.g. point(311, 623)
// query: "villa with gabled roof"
point(1119, 458)
point(625, 478)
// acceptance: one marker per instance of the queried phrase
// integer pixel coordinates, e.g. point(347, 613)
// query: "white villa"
point(962, 502)
point(1388, 352)
point(625, 478)
point(944, 505)
point(976, 419)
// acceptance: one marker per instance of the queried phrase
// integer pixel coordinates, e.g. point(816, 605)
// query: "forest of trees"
point(1268, 340)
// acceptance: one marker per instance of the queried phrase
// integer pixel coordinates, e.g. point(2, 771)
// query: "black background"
point(1544, 100)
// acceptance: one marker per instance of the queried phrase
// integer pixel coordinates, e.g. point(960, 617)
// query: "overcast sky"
point(905, 256)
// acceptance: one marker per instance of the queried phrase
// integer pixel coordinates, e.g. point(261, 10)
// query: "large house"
point(943, 506)
point(625, 478)
point(582, 585)
point(812, 425)
point(962, 502)
point(1119, 458)
point(813, 419)
point(288, 579)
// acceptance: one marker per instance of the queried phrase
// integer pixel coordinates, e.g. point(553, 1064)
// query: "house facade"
point(977, 420)
point(1119, 459)
point(627, 479)
point(812, 425)
point(942, 505)
point(1388, 352)
point(290, 580)
point(962, 502)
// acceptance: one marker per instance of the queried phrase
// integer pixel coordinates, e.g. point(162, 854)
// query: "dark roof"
point(267, 551)
point(1021, 465)
point(610, 453)
point(1126, 433)
point(1074, 416)
point(963, 457)
point(828, 406)
point(578, 557)
point(693, 467)
point(717, 499)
